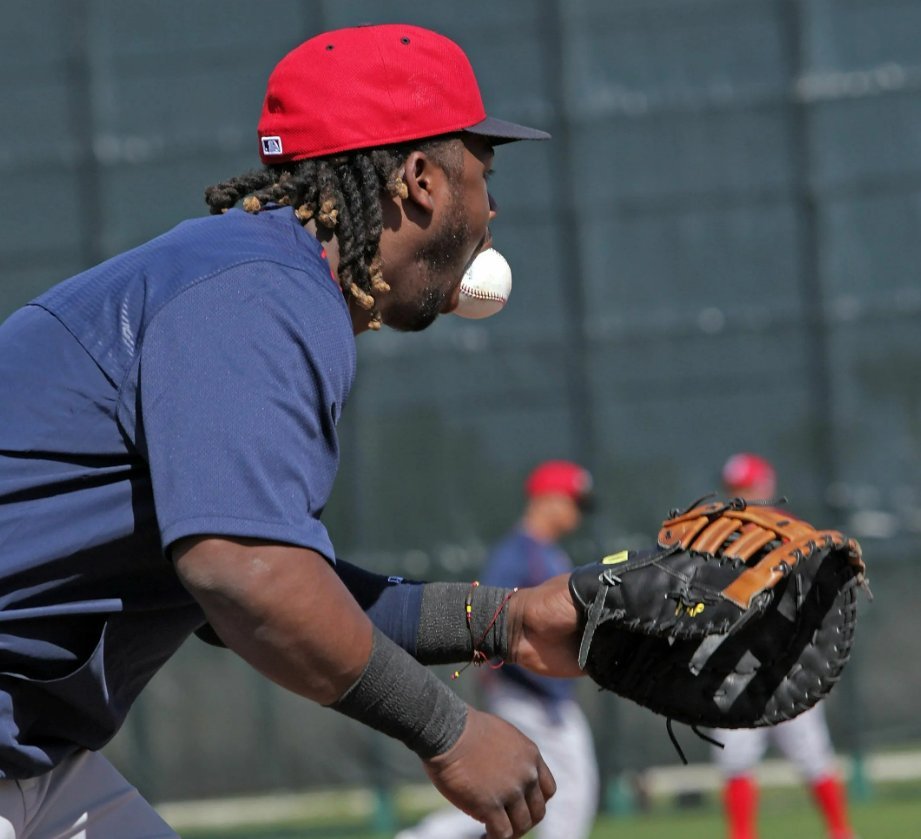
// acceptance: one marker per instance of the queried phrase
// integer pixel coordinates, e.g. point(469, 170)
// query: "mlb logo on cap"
point(271, 145)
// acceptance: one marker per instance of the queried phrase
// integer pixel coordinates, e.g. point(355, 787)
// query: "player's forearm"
point(445, 636)
point(286, 612)
point(282, 609)
point(428, 620)
point(392, 603)
point(537, 627)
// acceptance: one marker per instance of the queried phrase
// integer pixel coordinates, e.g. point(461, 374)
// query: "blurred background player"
point(804, 740)
point(558, 493)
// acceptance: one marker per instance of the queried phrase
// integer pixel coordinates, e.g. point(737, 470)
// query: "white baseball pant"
point(82, 798)
point(804, 741)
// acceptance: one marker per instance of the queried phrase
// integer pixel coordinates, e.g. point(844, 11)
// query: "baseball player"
point(804, 740)
point(557, 493)
point(168, 443)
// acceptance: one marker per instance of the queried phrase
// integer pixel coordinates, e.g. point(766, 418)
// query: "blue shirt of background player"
point(189, 386)
point(521, 560)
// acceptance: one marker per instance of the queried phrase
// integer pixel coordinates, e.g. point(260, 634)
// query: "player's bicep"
point(273, 604)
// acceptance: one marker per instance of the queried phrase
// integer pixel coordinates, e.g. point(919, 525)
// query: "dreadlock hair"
point(343, 193)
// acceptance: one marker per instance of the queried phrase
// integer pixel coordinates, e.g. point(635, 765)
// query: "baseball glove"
point(742, 617)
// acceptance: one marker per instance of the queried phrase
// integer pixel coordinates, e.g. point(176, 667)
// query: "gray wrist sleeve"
point(444, 637)
point(399, 697)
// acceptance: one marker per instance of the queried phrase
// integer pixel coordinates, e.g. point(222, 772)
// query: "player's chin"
point(417, 317)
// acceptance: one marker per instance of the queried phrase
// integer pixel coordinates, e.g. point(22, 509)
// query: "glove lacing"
point(697, 731)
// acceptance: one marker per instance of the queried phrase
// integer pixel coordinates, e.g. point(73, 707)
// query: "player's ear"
point(420, 174)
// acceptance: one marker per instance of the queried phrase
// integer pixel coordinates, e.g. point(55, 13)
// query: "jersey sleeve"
point(241, 381)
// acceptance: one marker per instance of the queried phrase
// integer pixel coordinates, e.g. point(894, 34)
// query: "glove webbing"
point(696, 530)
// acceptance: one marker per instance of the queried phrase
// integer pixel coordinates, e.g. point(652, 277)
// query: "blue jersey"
point(520, 560)
point(190, 386)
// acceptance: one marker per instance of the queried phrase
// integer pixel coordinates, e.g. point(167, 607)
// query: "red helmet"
point(561, 476)
point(746, 470)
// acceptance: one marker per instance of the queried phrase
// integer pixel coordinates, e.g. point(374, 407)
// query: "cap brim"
point(500, 131)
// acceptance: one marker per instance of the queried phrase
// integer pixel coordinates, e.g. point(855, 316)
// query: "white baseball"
point(485, 287)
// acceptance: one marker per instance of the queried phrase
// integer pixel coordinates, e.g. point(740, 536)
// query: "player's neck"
point(327, 238)
point(540, 528)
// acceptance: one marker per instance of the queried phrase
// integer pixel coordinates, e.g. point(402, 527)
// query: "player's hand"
point(494, 774)
point(544, 630)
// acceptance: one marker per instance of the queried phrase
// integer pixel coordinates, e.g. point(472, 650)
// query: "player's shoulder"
point(234, 267)
point(205, 246)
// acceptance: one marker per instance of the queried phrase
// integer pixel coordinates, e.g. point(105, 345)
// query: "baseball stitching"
point(482, 295)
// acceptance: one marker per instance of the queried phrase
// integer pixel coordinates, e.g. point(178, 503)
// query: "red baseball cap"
point(745, 470)
point(561, 476)
point(369, 86)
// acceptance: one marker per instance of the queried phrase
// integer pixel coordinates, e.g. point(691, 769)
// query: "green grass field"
point(891, 812)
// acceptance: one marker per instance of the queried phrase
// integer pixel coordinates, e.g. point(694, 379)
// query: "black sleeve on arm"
point(398, 696)
point(392, 603)
point(428, 619)
point(445, 637)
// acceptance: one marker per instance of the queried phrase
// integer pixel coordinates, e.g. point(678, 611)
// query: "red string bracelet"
point(479, 657)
